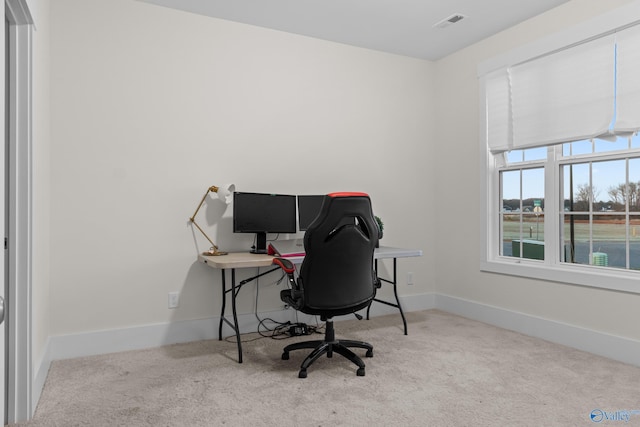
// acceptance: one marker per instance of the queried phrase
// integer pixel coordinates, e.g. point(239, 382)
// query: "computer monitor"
point(308, 209)
point(263, 213)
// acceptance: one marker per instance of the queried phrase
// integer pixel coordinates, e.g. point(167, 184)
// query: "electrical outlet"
point(410, 278)
point(174, 299)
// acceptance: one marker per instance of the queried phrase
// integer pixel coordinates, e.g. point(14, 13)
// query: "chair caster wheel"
point(302, 373)
point(285, 356)
point(369, 353)
point(360, 372)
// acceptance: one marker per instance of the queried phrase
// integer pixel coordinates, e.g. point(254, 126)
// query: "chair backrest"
point(337, 275)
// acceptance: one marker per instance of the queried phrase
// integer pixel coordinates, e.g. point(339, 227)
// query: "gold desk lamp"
point(224, 193)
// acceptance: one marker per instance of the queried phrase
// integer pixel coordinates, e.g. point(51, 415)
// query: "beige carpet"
point(449, 371)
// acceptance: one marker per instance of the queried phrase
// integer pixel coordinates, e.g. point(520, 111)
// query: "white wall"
point(151, 106)
point(41, 143)
point(457, 92)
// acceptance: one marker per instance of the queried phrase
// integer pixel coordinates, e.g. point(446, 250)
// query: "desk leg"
point(235, 313)
point(233, 325)
point(224, 300)
point(395, 293)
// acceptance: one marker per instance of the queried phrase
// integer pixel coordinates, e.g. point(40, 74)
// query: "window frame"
point(549, 269)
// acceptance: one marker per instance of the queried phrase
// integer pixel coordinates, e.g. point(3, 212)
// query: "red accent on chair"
point(348, 194)
point(285, 264)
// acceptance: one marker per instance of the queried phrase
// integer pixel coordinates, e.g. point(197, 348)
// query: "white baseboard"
point(40, 376)
point(139, 337)
point(148, 336)
point(610, 346)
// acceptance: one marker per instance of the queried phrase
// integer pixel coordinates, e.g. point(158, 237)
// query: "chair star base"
point(328, 346)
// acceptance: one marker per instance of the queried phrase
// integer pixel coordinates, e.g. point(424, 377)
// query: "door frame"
point(19, 330)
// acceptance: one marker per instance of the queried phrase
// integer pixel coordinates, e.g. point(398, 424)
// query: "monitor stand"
point(261, 244)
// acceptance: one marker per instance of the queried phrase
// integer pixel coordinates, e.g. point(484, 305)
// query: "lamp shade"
point(225, 193)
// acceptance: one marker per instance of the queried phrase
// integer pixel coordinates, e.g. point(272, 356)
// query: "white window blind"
point(498, 107)
point(628, 80)
point(564, 96)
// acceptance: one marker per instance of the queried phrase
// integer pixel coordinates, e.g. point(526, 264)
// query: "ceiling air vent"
point(453, 19)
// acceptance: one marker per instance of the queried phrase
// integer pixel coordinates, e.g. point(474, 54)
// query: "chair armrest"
point(293, 296)
point(285, 264)
point(377, 282)
point(288, 267)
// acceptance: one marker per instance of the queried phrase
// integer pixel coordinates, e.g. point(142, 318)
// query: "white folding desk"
point(236, 260)
point(386, 252)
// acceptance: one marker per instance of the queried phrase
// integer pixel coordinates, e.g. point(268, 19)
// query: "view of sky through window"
point(605, 175)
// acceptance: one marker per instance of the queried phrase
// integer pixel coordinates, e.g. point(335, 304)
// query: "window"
point(598, 189)
point(562, 170)
point(522, 217)
point(601, 216)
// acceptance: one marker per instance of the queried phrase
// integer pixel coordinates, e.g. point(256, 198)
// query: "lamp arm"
point(212, 188)
point(213, 245)
point(214, 248)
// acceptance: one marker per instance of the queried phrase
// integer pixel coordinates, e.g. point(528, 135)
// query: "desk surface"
point(237, 260)
point(247, 260)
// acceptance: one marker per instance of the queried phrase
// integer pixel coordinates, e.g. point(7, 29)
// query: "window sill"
point(595, 277)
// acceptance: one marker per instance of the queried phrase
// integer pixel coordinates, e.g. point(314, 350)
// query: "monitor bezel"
point(260, 245)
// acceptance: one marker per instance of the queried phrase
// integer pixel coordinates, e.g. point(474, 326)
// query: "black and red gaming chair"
point(337, 276)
